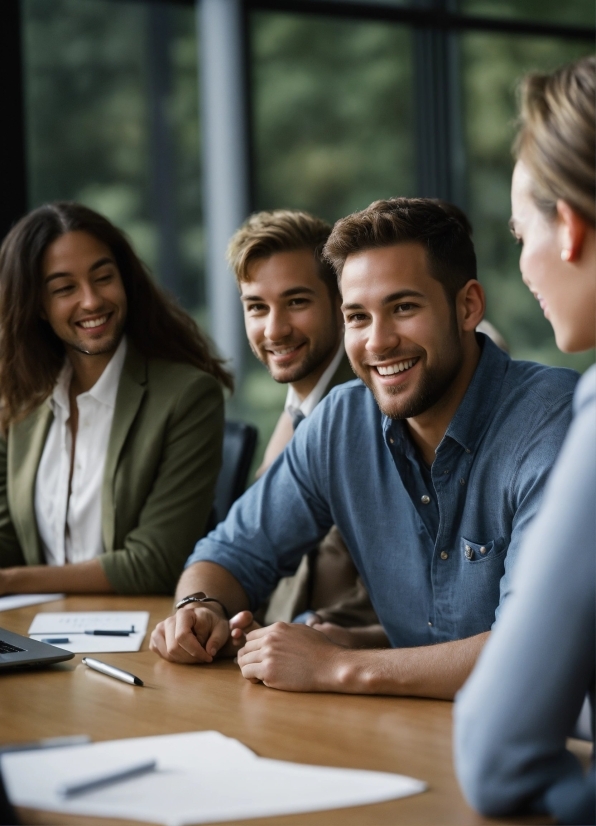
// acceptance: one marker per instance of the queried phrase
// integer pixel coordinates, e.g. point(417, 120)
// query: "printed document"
point(72, 625)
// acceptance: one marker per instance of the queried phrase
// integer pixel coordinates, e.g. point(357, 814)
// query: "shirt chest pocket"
point(475, 553)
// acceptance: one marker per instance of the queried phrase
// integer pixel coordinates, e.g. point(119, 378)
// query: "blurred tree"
point(87, 75)
point(332, 109)
point(492, 65)
point(333, 130)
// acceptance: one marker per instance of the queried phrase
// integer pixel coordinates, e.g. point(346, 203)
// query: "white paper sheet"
point(73, 625)
point(22, 600)
point(202, 777)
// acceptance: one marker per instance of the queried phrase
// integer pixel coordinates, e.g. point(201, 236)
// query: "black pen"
point(107, 633)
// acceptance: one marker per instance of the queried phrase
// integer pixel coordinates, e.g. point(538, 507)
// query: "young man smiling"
point(432, 482)
point(295, 327)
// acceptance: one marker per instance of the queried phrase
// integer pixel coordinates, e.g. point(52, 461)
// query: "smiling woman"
point(111, 402)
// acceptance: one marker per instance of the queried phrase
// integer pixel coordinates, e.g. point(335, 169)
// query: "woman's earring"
point(565, 255)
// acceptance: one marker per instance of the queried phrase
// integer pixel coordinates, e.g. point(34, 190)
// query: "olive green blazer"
point(164, 455)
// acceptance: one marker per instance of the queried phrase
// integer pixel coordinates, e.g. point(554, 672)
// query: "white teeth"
point(396, 368)
point(97, 322)
point(284, 352)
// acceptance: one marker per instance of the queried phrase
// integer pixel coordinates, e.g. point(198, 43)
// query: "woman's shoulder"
point(585, 392)
point(170, 379)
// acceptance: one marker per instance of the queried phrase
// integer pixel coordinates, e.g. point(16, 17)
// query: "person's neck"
point(305, 386)
point(428, 429)
point(86, 369)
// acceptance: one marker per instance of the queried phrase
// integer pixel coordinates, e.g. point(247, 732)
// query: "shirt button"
point(469, 552)
point(444, 555)
point(462, 481)
point(391, 441)
point(425, 499)
point(430, 623)
point(483, 550)
point(468, 450)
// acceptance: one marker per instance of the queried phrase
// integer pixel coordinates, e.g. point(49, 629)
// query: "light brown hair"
point(556, 137)
point(442, 229)
point(280, 230)
point(31, 354)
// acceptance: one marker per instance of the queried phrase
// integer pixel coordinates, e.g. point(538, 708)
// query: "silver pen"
point(112, 671)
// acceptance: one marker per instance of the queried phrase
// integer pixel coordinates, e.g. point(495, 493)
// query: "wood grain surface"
point(408, 736)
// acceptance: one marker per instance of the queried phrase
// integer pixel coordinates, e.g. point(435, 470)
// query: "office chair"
point(240, 441)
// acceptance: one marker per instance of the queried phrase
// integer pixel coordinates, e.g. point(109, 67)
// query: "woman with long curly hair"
point(111, 412)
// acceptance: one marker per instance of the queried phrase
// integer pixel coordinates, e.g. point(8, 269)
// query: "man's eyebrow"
point(99, 263)
point(297, 291)
point(285, 294)
point(389, 299)
point(401, 294)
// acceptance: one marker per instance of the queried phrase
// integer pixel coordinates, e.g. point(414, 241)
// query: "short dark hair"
point(280, 230)
point(31, 354)
point(441, 228)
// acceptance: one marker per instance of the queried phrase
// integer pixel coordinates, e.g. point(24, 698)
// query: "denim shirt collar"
point(473, 415)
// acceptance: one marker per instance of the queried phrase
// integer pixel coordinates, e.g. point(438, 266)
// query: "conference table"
point(404, 735)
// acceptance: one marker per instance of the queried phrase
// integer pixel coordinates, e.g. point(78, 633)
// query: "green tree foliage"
point(87, 92)
point(491, 67)
point(333, 129)
point(332, 112)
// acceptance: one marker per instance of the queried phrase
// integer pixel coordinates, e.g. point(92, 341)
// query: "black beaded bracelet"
point(201, 597)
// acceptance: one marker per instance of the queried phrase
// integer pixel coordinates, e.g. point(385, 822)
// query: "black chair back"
point(240, 441)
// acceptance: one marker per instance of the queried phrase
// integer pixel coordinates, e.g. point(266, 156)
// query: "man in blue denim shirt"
point(431, 479)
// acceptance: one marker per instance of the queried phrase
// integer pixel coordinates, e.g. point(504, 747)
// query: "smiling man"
point(431, 478)
point(294, 325)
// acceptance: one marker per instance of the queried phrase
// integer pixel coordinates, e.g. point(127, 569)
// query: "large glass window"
point(112, 121)
point(492, 66)
point(332, 131)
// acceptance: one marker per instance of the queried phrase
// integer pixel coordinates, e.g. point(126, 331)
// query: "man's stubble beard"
point(432, 386)
point(311, 362)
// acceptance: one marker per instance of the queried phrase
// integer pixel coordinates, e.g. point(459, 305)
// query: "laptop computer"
point(19, 652)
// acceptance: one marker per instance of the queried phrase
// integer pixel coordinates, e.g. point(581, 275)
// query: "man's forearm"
point(214, 581)
point(437, 671)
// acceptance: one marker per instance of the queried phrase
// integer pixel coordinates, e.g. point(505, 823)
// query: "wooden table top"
point(407, 736)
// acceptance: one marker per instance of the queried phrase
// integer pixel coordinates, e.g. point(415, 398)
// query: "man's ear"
point(470, 305)
point(571, 232)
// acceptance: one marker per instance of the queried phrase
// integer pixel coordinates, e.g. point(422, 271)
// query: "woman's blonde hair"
point(556, 137)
